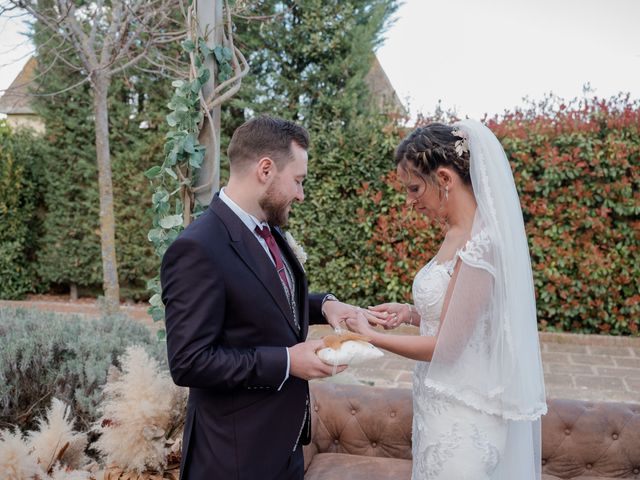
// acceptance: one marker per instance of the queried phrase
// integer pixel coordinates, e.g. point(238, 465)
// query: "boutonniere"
point(298, 251)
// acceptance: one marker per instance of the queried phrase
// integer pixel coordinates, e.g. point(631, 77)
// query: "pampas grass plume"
point(140, 406)
point(54, 432)
point(15, 461)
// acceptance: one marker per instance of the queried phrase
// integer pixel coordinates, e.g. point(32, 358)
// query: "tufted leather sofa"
point(364, 433)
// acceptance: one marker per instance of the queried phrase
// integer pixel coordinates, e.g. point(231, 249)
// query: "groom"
point(238, 312)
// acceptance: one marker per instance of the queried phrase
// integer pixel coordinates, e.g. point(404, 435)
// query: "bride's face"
point(423, 196)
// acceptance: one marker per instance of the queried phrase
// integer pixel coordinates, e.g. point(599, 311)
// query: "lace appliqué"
point(490, 453)
point(477, 250)
point(431, 461)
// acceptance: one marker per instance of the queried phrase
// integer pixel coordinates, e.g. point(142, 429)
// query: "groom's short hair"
point(265, 136)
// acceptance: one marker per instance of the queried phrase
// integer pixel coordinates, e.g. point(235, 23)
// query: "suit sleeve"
point(315, 308)
point(193, 293)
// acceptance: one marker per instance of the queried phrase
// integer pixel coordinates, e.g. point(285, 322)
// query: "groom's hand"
point(306, 364)
point(337, 313)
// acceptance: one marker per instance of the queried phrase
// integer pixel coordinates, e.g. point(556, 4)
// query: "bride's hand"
point(390, 315)
point(360, 324)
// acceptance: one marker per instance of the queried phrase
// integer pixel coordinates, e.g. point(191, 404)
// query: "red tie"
point(275, 253)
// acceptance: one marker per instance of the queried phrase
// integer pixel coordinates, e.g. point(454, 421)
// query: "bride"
point(478, 389)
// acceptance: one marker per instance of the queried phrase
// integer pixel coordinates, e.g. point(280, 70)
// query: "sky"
point(482, 56)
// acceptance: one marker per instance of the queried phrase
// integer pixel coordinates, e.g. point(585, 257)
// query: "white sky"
point(483, 56)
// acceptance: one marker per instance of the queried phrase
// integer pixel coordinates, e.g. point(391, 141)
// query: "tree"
point(308, 63)
point(101, 39)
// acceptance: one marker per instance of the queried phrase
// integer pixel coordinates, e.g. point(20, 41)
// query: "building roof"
point(382, 92)
point(16, 98)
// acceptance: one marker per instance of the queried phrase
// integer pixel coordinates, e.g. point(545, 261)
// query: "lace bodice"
point(429, 289)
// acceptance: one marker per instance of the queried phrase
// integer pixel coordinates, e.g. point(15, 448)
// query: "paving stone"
point(555, 357)
point(611, 351)
point(405, 377)
point(591, 359)
point(618, 372)
point(633, 384)
point(627, 362)
point(565, 348)
point(571, 369)
point(598, 382)
point(558, 379)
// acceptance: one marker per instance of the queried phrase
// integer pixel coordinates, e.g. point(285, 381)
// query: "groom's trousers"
point(294, 468)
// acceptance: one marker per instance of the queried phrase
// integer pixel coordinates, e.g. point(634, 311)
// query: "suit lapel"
point(253, 255)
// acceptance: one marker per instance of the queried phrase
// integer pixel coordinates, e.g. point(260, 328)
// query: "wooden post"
point(210, 17)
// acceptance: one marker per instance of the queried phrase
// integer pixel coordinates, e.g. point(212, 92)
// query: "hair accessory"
point(461, 145)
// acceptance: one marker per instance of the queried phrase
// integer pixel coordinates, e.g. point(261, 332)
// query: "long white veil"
point(488, 354)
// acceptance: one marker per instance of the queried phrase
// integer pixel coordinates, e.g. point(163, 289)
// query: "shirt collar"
point(249, 220)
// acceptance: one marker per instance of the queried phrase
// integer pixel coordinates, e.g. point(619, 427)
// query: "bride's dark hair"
point(431, 147)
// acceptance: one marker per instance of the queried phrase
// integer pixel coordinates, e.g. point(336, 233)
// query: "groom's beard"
point(275, 207)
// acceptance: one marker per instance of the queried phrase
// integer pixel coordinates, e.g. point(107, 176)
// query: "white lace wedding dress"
point(451, 441)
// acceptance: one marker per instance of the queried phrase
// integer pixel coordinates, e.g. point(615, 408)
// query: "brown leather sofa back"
point(591, 439)
point(578, 438)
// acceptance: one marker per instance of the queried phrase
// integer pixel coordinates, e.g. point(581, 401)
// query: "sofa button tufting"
point(614, 436)
point(636, 471)
point(589, 466)
point(393, 414)
point(353, 411)
point(567, 431)
point(316, 408)
point(374, 444)
point(336, 441)
point(544, 461)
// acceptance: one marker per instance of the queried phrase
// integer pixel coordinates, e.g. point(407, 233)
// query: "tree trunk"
point(107, 218)
point(210, 20)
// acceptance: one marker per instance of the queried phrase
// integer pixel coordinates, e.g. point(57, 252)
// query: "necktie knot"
point(266, 234)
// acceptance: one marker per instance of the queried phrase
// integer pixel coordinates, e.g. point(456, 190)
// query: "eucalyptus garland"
point(173, 201)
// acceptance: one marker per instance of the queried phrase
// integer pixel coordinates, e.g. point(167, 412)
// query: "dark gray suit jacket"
point(228, 321)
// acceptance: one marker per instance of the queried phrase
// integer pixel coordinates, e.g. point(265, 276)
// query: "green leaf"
point(189, 143)
point(196, 158)
point(188, 45)
point(156, 301)
point(160, 196)
point(156, 235)
point(172, 120)
point(171, 173)
point(161, 334)
point(171, 221)
point(153, 172)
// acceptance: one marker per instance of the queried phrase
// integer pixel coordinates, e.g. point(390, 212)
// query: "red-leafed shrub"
point(576, 170)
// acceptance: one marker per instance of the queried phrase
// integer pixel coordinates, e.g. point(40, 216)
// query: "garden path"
point(583, 367)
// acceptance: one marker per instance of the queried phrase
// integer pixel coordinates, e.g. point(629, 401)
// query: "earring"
point(446, 193)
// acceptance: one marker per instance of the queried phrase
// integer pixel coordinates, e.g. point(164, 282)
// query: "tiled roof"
point(16, 99)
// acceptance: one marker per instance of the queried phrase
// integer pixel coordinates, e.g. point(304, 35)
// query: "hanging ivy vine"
point(173, 202)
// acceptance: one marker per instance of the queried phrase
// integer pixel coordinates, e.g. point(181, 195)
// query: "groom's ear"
point(266, 169)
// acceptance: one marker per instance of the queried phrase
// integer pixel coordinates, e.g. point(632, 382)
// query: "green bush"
point(43, 355)
point(20, 157)
point(576, 171)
